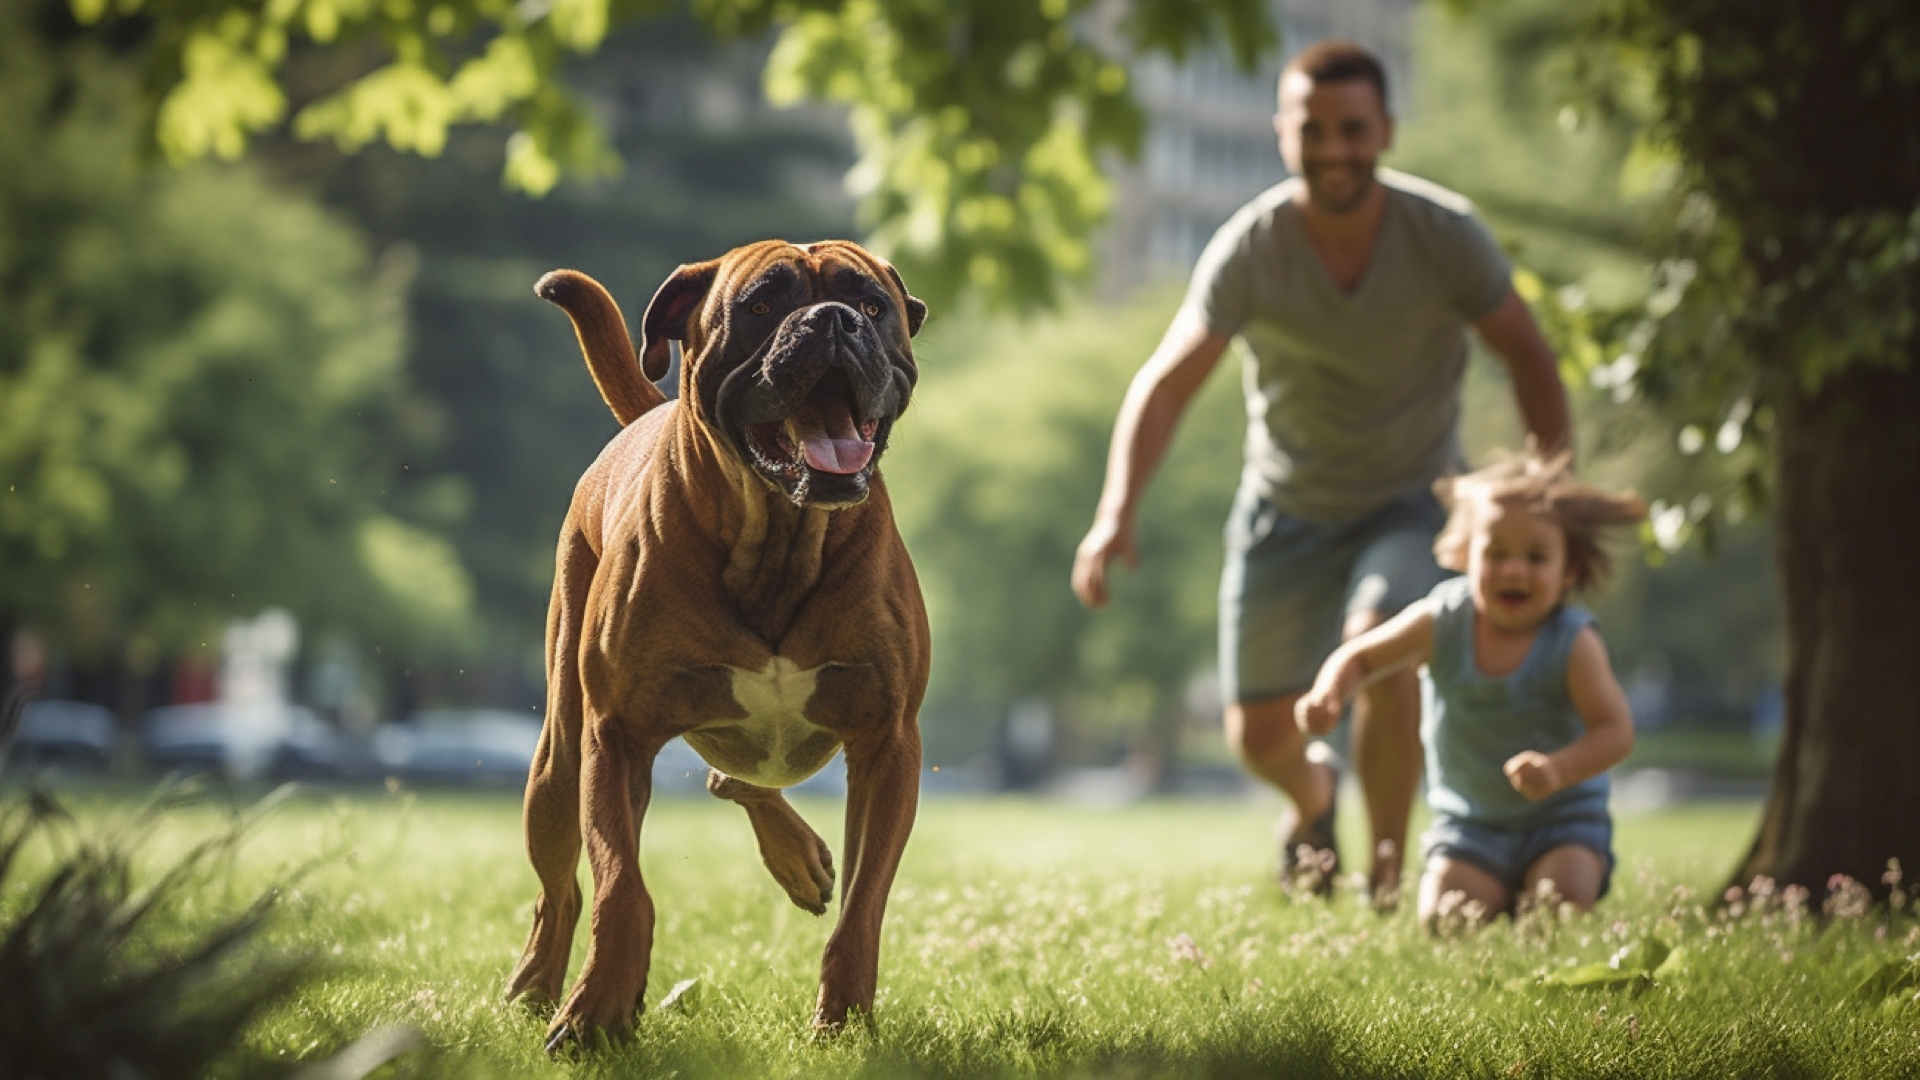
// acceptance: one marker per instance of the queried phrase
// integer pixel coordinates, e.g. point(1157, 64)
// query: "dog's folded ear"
point(666, 320)
point(916, 308)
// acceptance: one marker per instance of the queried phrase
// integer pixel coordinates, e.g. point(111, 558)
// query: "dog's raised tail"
point(604, 342)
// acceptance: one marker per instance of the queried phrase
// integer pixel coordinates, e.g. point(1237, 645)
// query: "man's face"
point(1331, 136)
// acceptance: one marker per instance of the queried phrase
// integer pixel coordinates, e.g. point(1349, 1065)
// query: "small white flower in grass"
point(1847, 898)
point(1186, 951)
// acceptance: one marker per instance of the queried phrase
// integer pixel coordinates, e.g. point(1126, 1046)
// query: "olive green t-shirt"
point(1353, 398)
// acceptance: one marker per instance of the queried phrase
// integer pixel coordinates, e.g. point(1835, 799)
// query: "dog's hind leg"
point(794, 853)
point(552, 813)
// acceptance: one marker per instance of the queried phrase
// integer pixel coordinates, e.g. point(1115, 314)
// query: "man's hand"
point(1318, 710)
point(1533, 774)
point(1109, 539)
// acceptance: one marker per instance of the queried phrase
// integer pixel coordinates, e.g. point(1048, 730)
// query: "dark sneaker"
point(1309, 854)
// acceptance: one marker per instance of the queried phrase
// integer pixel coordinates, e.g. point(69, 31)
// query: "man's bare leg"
point(1274, 748)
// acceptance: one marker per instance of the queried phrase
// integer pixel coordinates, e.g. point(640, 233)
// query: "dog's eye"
point(761, 308)
point(872, 308)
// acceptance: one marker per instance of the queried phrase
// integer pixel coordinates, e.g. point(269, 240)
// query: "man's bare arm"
point(1155, 401)
point(1516, 341)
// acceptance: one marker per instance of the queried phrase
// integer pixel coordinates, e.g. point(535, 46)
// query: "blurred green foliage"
point(1770, 157)
point(980, 122)
point(994, 475)
point(199, 391)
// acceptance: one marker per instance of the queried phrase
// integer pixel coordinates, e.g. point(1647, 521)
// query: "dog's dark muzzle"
point(815, 409)
point(810, 344)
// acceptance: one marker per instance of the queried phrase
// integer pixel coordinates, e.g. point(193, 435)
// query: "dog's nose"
point(845, 319)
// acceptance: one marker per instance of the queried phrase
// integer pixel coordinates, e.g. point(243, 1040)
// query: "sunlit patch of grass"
point(1031, 939)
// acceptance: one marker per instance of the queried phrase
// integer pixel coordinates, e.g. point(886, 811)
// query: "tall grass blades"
point(101, 977)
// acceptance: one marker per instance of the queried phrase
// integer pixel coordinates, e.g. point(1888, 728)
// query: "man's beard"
point(1363, 181)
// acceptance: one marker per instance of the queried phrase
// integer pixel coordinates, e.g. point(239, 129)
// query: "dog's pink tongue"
point(830, 440)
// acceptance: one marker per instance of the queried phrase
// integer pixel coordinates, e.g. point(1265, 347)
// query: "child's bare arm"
point(1402, 641)
point(1602, 706)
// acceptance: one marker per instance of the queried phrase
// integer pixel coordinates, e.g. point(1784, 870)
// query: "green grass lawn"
point(1033, 939)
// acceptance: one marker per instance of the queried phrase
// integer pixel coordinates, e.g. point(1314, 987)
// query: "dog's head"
point(798, 359)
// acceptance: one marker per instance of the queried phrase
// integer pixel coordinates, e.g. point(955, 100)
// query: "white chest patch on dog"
point(774, 745)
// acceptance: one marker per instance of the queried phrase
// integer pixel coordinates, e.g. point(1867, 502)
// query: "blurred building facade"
point(1210, 144)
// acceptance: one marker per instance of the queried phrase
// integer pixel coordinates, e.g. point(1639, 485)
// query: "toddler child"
point(1523, 714)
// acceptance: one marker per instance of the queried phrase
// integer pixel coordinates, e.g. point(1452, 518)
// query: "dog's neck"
point(774, 550)
point(774, 555)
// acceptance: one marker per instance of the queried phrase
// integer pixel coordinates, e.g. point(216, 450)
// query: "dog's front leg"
point(552, 813)
point(793, 853)
point(615, 784)
point(883, 791)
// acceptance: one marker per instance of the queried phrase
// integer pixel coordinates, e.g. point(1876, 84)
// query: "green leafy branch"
point(980, 124)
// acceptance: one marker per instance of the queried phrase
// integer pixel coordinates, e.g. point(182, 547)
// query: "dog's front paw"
point(811, 883)
point(582, 1024)
point(832, 1018)
point(536, 1002)
point(805, 869)
point(794, 854)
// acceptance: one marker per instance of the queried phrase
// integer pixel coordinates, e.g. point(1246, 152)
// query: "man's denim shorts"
point(1289, 585)
point(1506, 853)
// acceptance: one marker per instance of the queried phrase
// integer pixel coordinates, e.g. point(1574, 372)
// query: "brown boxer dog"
point(730, 572)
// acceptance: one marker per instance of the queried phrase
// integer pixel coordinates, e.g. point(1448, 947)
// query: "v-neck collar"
point(1368, 273)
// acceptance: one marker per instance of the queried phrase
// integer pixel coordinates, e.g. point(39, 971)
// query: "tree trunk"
point(1843, 798)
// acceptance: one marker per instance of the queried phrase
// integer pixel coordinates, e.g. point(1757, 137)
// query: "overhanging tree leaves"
point(979, 121)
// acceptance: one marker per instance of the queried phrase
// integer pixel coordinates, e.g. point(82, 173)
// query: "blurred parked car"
point(480, 747)
point(245, 743)
point(63, 734)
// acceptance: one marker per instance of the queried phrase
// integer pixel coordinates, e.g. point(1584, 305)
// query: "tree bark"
point(1843, 798)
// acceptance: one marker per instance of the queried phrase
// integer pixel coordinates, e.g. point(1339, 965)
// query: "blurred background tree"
point(1784, 316)
point(202, 404)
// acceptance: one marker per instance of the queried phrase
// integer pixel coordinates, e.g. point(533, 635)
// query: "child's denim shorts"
point(1507, 852)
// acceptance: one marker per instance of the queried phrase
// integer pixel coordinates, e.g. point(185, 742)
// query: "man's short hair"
point(1335, 60)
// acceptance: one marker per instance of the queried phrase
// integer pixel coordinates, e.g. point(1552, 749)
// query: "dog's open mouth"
point(821, 435)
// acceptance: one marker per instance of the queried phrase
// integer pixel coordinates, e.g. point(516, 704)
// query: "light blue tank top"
point(1473, 723)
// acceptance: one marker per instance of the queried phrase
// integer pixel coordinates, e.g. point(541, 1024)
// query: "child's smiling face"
point(1516, 565)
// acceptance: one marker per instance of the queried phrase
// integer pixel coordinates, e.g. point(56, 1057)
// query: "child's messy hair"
point(1544, 486)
